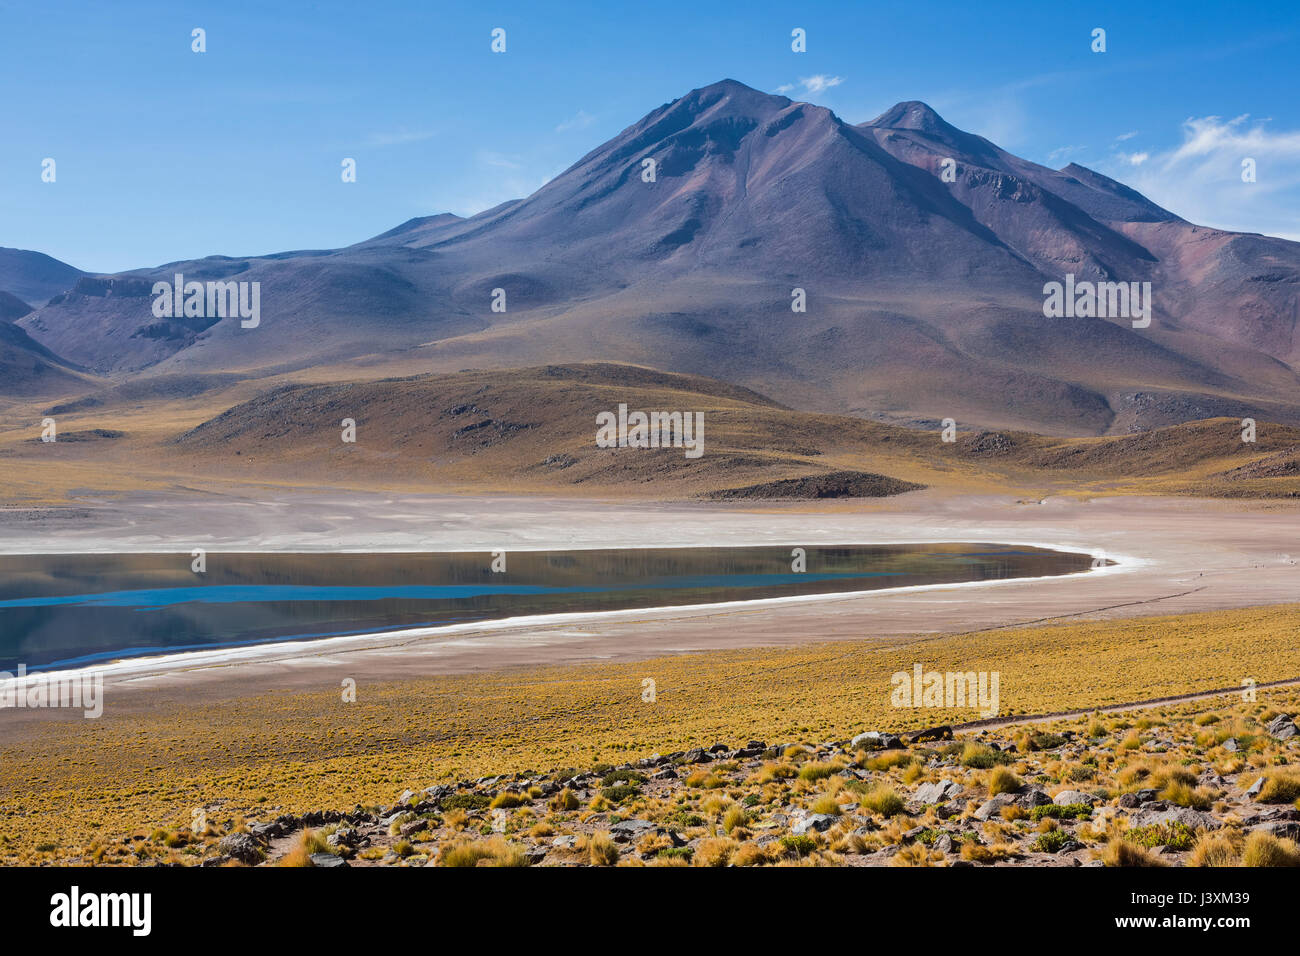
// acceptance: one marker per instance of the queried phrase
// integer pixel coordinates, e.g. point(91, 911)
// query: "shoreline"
point(153, 664)
point(1177, 556)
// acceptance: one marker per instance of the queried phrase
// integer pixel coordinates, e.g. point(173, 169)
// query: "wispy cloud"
point(1125, 136)
point(500, 160)
point(811, 85)
point(1200, 179)
point(582, 120)
point(1064, 152)
point(398, 137)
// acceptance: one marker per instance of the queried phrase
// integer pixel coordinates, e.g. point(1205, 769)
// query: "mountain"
point(924, 297)
point(34, 277)
point(29, 370)
point(12, 308)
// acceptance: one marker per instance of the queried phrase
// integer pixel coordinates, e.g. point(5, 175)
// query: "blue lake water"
point(81, 609)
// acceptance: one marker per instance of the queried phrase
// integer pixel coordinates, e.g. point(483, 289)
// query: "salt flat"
point(1174, 556)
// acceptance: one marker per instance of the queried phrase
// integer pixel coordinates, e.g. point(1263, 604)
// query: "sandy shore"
point(1175, 555)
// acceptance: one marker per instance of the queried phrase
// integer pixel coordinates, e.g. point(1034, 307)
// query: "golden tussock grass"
point(151, 762)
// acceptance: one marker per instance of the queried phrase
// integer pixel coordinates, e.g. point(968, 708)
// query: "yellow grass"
point(73, 782)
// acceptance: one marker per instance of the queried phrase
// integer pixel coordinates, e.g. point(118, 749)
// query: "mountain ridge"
point(924, 296)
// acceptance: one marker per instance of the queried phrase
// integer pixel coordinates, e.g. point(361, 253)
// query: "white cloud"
point(582, 120)
point(811, 85)
point(820, 83)
point(1123, 136)
point(1200, 179)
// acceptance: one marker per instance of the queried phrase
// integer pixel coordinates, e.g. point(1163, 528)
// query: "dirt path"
point(994, 723)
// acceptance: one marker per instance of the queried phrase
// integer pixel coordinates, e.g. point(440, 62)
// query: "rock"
point(992, 807)
point(930, 793)
point(344, 836)
point(405, 798)
point(668, 773)
point(1283, 727)
point(1282, 829)
point(875, 740)
point(814, 821)
point(943, 732)
point(241, 847)
point(567, 842)
point(719, 748)
point(1032, 797)
point(627, 830)
point(327, 860)
point(1255, 788)
point(944, 843)
point(1128, 801)
point(1067, 797)
point(266, 831)
point(1231, 745)
point(1184, 815)
point(697, 755)
point(415, 826)
point(535, 854)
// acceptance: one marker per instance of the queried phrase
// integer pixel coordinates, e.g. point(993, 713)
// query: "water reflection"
point(69, 610)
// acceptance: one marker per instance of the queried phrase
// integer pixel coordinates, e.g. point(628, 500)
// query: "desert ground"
point(1197, 600)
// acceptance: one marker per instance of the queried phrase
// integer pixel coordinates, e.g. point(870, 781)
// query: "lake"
point(70, 610)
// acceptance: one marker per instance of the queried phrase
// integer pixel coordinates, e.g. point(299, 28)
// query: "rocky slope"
point(1198, 783)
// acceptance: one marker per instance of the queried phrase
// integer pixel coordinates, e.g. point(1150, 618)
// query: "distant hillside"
point(536, 428)
point(12, 308)
point(29, 370)
point(35, 277)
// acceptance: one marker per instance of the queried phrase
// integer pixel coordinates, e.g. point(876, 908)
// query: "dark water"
point(82, 609)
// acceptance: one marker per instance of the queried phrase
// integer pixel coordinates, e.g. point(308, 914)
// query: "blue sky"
point(165, 154)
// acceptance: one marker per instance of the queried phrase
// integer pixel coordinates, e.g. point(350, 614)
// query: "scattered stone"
point(1184, 815)
point(930, 793)
point(930, 733)
point(1067, 797)
point(1283, 727)
point(627, 830)
point(821, 822)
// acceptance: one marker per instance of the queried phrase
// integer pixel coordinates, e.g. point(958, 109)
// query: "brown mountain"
point(924, 297)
